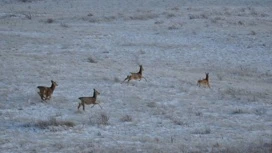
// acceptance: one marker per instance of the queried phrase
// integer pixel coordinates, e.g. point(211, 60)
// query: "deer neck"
point(53, 87)
point(140, 71)
point(94, 95)
point(207, 77)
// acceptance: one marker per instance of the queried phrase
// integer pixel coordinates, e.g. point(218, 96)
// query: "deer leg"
point(43, 98)
point(99, 106)
point(124, 80)
point(78, 105)
point(48, 98)
point(40, 95)
point(144, 78)
point(83, 106)
point(128, 81)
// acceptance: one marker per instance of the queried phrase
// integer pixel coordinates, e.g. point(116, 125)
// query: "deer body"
point(204, 82)
point(89, 100)
point(46, 92)
point(135, 76)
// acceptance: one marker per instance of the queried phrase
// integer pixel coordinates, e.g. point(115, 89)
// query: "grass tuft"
point(238, 111)
point(126, 118)
point(92, 60)
point(100, 119)
point(52, 122)
point(49, 20)
point(205, 130)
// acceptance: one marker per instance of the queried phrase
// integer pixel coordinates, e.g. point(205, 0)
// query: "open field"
point(88, 44)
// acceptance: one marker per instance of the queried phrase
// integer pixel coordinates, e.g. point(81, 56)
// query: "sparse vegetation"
point(126, 118)
point(253, 147)
point(25, 1)
point(199, 114)
point(198, 16)
point(216, 20)
point(238, 111)
point(173, 27)
point(170, 15)
point(158, 22)
point(104, 119)
point(117, 80)
point(92, 60)
point(253, 33)
point(28, 16)
point(151, 104)
point(220, 76)
point(64, 25)
point(260, 111)
point(242, 94)
point(45, 124)
point(177, 121)
point(49, 20)
point(144, 16)
point(100, 119)
point(205, 130)
point(90, 14)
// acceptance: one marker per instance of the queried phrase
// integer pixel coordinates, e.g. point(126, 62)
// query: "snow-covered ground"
point(88, 44)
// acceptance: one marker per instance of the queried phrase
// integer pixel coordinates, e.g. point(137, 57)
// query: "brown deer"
point(89, 100)
point(135, 76)
point(46, 92)
point(204, 82)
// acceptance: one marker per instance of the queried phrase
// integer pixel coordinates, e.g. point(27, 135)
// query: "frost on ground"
point(95, 44)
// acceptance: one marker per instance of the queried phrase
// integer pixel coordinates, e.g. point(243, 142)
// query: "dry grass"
point(99, 119)
point(64, 25)
point(260, 111)
point(238, 111)
point(45, 124)
point(143, 16)
point(242, 94)
point(28, 15)
point(26, 1)
point(49, 20)
point(54, 122)
point(253, 147)
point(126, 118)
point(205, 130)
point(198, 16)
point(117, 80)
point(92, 60)
point(173, 27)
point(151, 104)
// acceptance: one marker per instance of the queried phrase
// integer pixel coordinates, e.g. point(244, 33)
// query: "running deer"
point(46, 92)
point(89, 100)
point(204, 82)
point(135, 76)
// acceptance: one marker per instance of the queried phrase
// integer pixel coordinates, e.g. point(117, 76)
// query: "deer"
point(89, 100)
point(135, 76)
point(204, 82)
point(46, 92)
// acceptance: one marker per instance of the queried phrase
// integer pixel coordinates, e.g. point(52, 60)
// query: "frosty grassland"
point(90, 44)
